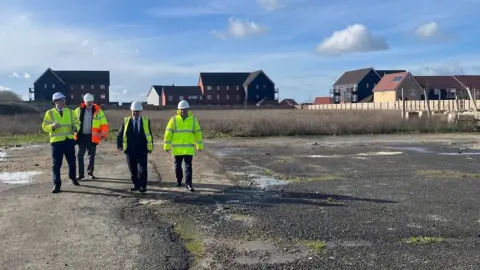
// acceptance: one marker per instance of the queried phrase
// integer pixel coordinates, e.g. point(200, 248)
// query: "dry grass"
point(255, 123)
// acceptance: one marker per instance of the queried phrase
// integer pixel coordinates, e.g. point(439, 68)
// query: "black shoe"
point(75, 182)
point(190, 188)
point(56, 189)
point(143, 189)
point(91, 176)
point(80, 178)
point(179, 184)
point(134, 189)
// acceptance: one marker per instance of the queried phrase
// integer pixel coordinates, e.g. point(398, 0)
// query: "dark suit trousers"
point(188, 169)
point(137, 164)
point(59, 150)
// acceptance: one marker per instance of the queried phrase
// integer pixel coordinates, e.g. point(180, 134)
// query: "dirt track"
point(334, 202)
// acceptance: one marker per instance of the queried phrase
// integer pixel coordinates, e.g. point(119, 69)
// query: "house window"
point(81, 86)
point(258, 86)
point(192, 97)
point(412, 92)
point(209, 97)
point(451, 92)
point(238, 87)
point(180, 98)
point(102, 86)
point(228, 87)
point(102, 96)
point(264, 86)
point(218, 96)
point(71, 96)
point(45, 85)
point(218, 87)
point(200, 97)
point(367, 85)
point(258, 96)
point(227, 97)
point(238, 97)
point(209, 87)
point(53, 85)
point(170, 98)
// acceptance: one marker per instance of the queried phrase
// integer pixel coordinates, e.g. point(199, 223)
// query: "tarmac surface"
point(359, 202)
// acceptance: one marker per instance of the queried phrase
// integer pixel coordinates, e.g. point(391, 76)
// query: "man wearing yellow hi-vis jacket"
point(61, 123)
point(182, 135)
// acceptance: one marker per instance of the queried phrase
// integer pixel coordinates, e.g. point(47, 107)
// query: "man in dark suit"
point(134, 138)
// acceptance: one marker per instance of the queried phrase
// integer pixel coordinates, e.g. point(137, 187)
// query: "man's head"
point(184, 107)
point(88, 99)
point(136, 109)
point(59, 100)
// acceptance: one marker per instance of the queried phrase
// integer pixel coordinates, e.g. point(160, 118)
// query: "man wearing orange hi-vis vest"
point(182, 135)
point(60, 123)
point(93, 128)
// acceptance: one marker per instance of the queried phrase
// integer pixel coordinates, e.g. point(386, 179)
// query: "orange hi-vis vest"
point(99, 122)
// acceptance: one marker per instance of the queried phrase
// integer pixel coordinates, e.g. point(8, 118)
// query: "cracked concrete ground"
point(354, 202)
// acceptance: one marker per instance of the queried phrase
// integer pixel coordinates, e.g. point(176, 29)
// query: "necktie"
point(61, 113)
point(135, 128)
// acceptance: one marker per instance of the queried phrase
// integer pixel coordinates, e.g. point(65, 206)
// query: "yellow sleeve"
point(76, 121)
point(47, 123)
point(167, 138)
point(104, 129)
point(198, 135)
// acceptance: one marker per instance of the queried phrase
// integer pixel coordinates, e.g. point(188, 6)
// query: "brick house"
point(74, 84)
point(166, 95)
point(237, 88)
point(389, 88)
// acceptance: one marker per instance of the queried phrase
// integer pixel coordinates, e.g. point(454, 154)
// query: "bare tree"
point(9, 96)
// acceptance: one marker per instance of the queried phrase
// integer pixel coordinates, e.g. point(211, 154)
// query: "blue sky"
point(303, 45)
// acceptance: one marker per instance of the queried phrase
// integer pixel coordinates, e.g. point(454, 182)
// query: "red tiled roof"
point(322, 100)
point(390, 82)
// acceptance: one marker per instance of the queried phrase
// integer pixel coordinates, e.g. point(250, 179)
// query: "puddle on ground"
point(17, 178)
point(424, 150)
point(3, 155)
point(253, 174)
point(357, 156)
point(380, 154)
point(228, 151)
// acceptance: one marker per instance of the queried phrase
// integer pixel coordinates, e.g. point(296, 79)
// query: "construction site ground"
point(359, 202)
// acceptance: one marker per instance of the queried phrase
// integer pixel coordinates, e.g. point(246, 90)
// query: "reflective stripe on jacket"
point(67, 123)
point(183, 135)
point(99, 123)
point(146, 130)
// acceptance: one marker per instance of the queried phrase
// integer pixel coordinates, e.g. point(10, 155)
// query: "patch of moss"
point(447, 174)
point(315, 245)
point(193, 242)
point(423, 240)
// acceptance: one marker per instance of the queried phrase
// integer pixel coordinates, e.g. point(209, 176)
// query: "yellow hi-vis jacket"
point(146, 130)
point(67, 124)
point(183, 135)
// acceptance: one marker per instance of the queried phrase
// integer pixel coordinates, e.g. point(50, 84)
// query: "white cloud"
point(26, 75)
point(428, 30)
point(270, 5)
point(13, 75)
point(354, 38)
point(3, 88)
point(218, 34)
point(85, 42)
point(243, 28)
point(125, 91)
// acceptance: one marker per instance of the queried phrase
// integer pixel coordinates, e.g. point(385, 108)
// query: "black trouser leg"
point(92, 152)
point(132, 166)
point(188, 170)
point(80, 158)
point(178, 169)
point(142, 165)
point(57, 160)
point(69, 152)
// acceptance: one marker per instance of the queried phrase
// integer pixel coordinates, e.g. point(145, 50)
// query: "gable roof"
point(322, 100)
point(156, 88)
point(353, 76)
point(230, 78)
point(173, 90)
point(79, 76)
point(470, 81)
point(438, 82)
point(289, 101)
point(390, 82)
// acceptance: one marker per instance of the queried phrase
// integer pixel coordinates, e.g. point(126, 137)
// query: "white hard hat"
point(57, 95)
point(88, 97)
point(183, 104)
point(136, 106)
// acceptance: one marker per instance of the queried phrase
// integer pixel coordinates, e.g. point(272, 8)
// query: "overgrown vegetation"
point(423, 240)
point(259, 123)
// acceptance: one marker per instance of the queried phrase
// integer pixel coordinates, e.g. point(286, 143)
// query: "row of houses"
point(213, 88)
point(371, 85)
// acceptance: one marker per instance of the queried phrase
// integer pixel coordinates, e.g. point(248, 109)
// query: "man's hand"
point(149, 152)
point(199, 150)
point(74, 129)
point(168, 151)
point(55, 125)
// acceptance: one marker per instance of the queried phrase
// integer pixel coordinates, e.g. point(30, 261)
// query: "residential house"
point(166, 95)
point(234, 88)
point(442, 87)
point(390, 87)
point(74, 84)
point(357, 85)
point(322, 100)
point(288, 102)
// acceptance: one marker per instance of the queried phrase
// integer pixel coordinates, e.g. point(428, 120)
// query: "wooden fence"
point(410, 105)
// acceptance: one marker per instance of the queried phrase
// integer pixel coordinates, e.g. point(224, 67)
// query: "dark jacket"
point(82, 116)
point(136, 141)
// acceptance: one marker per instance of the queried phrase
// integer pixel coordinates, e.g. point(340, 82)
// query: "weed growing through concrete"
point(423, 240)
point(315, 245)
point(193, 242)
point(447, 174)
